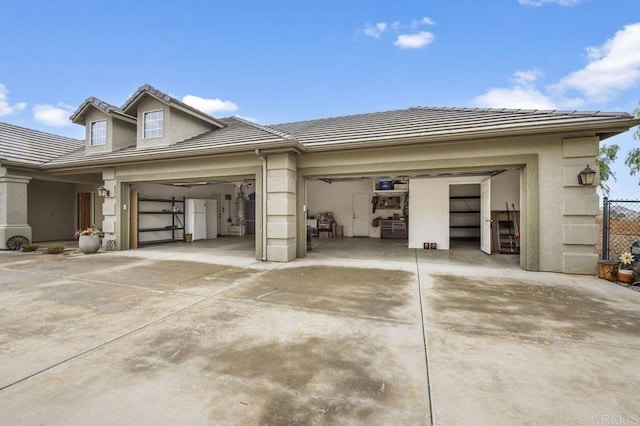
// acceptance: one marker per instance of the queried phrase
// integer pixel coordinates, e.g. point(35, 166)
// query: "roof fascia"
point(268, 148)
point(78, 117)
point(604, 129)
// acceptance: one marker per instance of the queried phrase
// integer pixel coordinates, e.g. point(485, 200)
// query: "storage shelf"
point(465, 197)
point(160, 200)
point(171, 228)
point(148, 243)
point(468, 211)
point(175, 224)
point(465, 227)
point(160, 212)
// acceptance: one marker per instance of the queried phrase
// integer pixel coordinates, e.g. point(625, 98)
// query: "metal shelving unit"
point(175, 211)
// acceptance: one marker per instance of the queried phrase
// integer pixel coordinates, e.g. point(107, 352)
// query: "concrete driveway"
point(162, 337)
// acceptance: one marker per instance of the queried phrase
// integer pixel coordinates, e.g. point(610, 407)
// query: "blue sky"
point(279, 61)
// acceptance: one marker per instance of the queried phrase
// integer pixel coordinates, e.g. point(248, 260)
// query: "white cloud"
point(424, 21)
point(53, 115)
point(376, 30)
point(209, 106)
point(612, 68)
point(537, 3)
point(5, 107)
point(414, 41)
point(514, 97)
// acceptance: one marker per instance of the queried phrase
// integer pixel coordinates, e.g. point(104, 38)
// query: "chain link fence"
point(620, 227)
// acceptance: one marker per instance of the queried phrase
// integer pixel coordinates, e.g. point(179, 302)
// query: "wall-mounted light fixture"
point(586, 176)
point(102, 192)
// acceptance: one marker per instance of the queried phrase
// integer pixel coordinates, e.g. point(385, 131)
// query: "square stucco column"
point(110, 207)
point(281, 207)
point(580, 206)
point(13, 207)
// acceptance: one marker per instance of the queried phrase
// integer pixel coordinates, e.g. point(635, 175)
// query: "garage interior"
point(433, 211)
point(192, 212)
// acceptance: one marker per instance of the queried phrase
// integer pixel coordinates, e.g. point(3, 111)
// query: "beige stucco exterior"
point(545, 149)
point(177, 124)
point(553, 204)
point(13, 205)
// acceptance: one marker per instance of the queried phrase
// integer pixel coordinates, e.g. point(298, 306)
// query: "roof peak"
point(147, 89)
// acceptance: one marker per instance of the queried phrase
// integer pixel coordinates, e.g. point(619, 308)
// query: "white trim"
point(159, 129)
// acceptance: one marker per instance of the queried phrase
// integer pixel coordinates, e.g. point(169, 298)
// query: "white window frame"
point(157, 131)
point(94, 139)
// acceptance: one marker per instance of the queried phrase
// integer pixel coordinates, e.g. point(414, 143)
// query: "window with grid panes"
point(99, 132)
point(153, 124)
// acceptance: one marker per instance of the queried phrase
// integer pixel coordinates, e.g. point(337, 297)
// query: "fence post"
point(605, 229)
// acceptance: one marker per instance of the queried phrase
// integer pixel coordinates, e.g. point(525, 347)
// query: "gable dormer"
point(107, 128)
point(163, 120)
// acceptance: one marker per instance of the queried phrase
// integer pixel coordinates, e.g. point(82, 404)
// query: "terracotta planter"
point(624, 275)
point(89, 243)
point(608, 270)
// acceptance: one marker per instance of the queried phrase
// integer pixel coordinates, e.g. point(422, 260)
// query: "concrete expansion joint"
point(424, 342)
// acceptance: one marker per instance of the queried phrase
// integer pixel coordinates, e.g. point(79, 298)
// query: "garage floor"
point(163, 336)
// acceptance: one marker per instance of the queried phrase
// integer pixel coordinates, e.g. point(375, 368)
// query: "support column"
point(110, 207)
point(580, 206)
point(13, 207)
point(281, 207)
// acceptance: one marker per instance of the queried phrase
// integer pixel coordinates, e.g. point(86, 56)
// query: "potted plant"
point(89, 240)
point(625, 271)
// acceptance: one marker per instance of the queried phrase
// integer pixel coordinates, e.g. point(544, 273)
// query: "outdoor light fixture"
point(586, 176)
point(102, 192)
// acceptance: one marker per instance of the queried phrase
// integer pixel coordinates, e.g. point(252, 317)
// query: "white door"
point(212, 219)
point(361, 214)
point(485, 216)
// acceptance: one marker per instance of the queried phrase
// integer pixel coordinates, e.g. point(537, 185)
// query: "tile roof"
point(436, 123)
point(237, 134)
point(422, 124)
point(32, 147)
point(101, 105)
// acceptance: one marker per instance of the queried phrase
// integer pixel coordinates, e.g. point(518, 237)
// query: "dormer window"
point(98, 132)
point(153, 124)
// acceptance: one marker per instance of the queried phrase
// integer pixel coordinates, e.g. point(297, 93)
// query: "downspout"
point(264, 204)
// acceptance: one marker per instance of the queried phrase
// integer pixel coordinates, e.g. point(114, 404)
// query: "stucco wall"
point(95, 115)
point(51, 211)
point(177, 125)
point(123, 134)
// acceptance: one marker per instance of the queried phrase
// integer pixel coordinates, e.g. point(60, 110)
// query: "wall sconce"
point(586, 176)
point(102, 192)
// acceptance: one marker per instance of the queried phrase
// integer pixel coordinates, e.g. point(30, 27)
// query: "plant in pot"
point(625, 271)
point(89, 240)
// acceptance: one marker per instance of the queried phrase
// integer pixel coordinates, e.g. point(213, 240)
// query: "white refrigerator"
point(196, 218)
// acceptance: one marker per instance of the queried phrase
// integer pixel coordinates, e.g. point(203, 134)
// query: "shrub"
point(29, 247)
point(57, 249)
